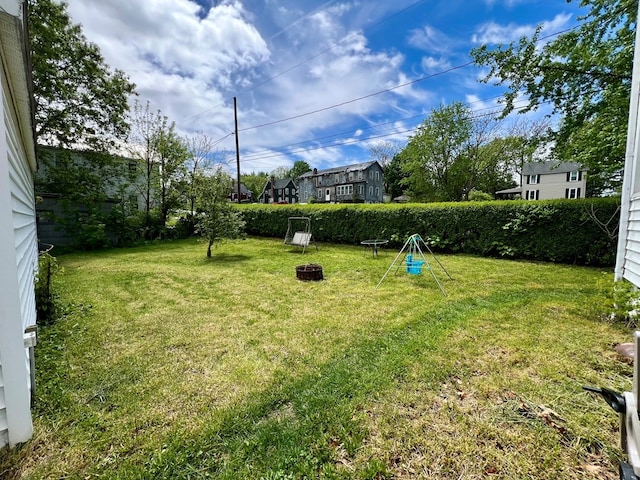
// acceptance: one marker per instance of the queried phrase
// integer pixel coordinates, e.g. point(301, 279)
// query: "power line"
point(251, 159)
point(386, 90)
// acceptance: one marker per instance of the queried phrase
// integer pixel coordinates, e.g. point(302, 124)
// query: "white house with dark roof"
point(360, 182)
point(18, 238)
point(550, 180)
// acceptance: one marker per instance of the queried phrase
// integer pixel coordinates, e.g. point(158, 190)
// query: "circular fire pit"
point(310, 271)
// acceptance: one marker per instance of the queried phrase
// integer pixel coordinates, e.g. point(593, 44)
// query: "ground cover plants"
point(171, 365)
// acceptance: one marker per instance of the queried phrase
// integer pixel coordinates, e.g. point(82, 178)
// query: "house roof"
point(283, 182)
point(243, 188)
point(12, 38)
point(510, 190)
point(541, 168)
point(278, 184)
point(345, 168)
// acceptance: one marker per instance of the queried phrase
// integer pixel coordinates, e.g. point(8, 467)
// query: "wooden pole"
point(235, 114)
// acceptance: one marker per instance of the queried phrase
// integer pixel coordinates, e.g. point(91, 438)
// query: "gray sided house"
point(18, 239)
point(279, 191)
point(360, 182)
point(114, 177)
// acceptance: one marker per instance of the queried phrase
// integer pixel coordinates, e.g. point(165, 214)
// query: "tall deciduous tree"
point(255, 182)
point(299, 167)
point(585, 74)
point(453, 154)
point(160, 154)
point(219, 219)
point(79, 100)
point(172, 156)
point(201, 159)
point(433, 155)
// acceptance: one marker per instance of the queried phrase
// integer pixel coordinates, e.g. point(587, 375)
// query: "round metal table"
point(374, 245)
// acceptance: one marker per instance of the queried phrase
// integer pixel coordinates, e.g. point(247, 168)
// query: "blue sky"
point(370, 70)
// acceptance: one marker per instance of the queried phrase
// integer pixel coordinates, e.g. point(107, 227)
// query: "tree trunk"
point(209, 249)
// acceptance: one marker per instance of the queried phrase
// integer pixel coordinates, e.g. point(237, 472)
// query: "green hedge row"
point(581, 232)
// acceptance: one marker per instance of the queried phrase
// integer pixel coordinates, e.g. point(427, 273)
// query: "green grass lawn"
point(169, 365)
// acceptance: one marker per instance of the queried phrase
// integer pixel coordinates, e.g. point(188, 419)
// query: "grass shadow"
point(293, 429)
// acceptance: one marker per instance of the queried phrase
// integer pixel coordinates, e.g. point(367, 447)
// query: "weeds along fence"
point(580, 232)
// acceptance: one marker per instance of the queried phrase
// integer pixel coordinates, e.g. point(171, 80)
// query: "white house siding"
point(632, 250)
point(18, 242)
point(628, 252)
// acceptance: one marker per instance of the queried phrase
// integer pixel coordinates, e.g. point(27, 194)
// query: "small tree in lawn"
point(218, 218)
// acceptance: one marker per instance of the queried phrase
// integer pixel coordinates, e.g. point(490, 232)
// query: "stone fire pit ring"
point(309, 272)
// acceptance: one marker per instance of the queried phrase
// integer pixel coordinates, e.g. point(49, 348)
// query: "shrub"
point(47, 300)
point(579, 232)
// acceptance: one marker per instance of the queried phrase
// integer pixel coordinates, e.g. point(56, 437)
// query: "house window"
point(370, 174)
point(361, 189)
point(534, 179)
point(360, 176)
point(336, 178)
point(45, 216)
point(318, 181)
point(377, 191)
point(319, 193)
point(132, 167)
point(572, 193)
point(350, 176)
point(371, 191)
point(573, 176)
point(377, 176)
point(533, 194)
point(344, 190)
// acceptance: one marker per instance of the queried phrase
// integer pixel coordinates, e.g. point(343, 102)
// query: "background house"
point(114, 186)
point(18, 239)
point(549, 180)
point(279, 191)
point(246, 195)
point(360, 182)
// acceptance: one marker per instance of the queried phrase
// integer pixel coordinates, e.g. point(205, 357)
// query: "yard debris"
point(538, 412)
point(625, 350)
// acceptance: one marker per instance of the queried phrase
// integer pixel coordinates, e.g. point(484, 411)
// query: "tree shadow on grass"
point(294, 428)
point(225, 258)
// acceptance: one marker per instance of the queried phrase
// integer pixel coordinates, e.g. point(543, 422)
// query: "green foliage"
point(563, 231)
point(172, 155)
point(78, 99)
point(618, 301)
point(218, 219)
point(393, 176)
point(299, 167)
point(452, 153)
point(47, 299)
point(255, 182)
point(478, 196)
point(585, 74)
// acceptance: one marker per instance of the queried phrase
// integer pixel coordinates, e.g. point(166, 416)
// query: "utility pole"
point(235, 114)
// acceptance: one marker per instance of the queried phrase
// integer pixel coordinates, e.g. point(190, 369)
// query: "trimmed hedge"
point(581, 232)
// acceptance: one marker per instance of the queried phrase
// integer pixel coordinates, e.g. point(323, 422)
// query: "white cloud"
point(494, 33)
point(433, 64)
point(430, 40)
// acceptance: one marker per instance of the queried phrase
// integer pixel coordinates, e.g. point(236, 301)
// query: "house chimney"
point(315, 171)
point(273, 182)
